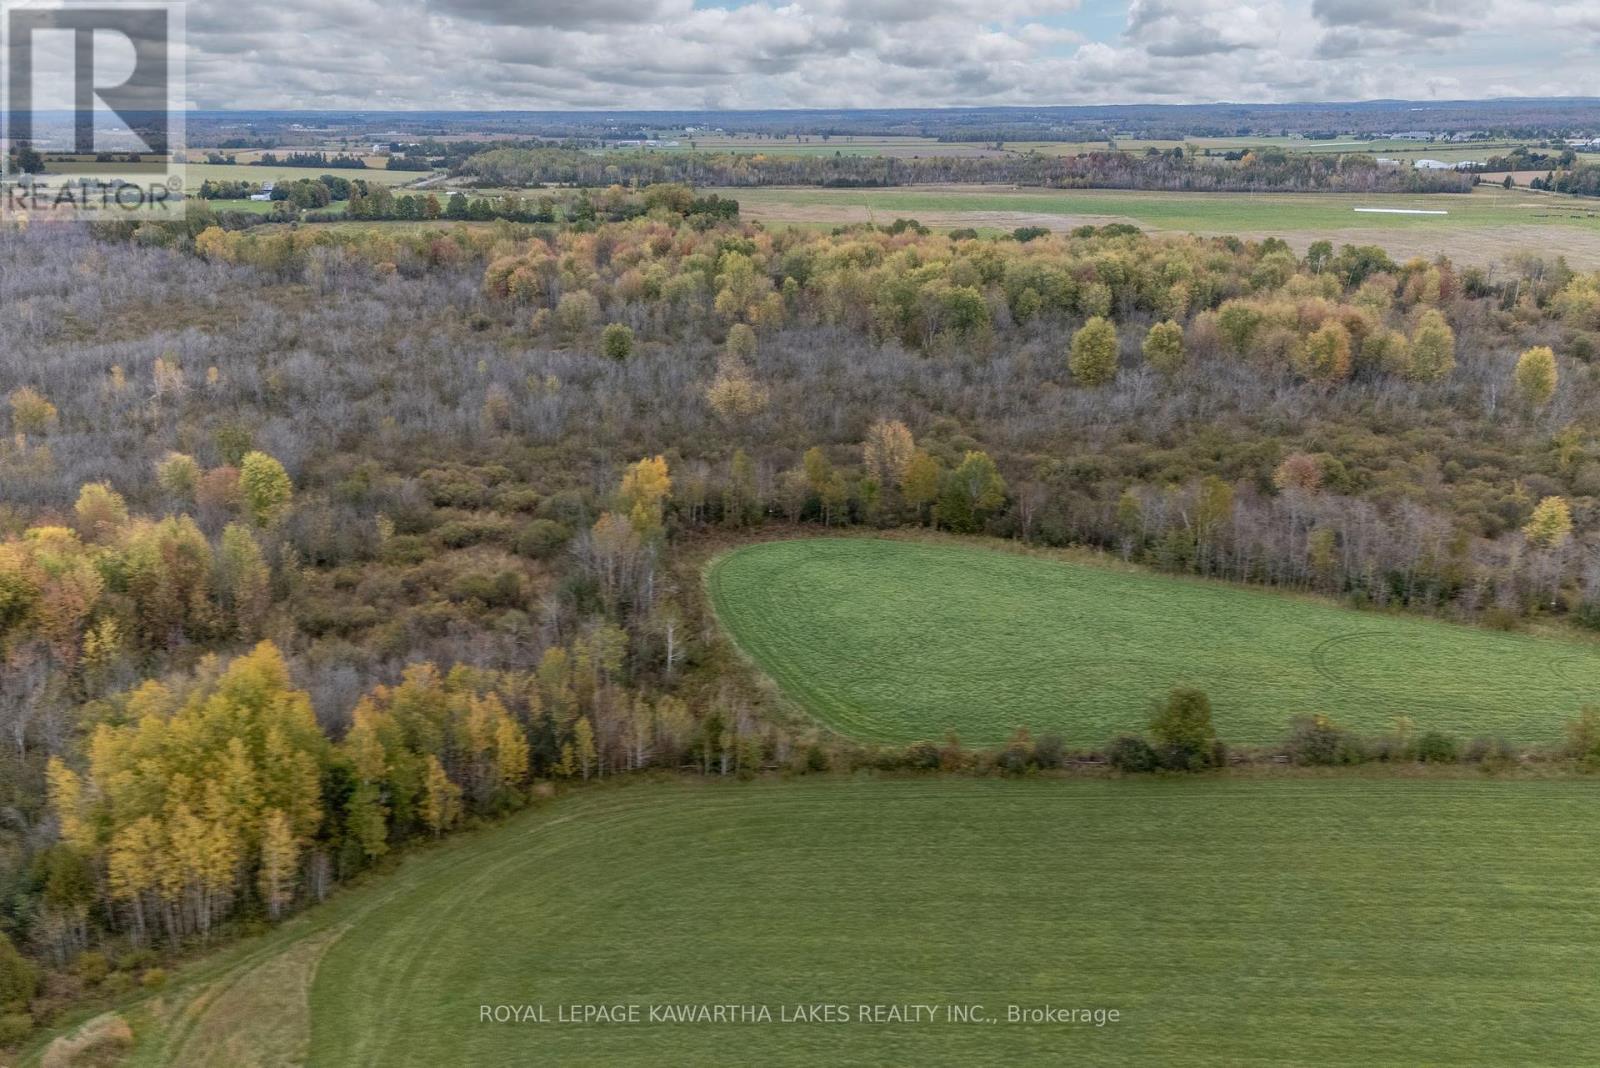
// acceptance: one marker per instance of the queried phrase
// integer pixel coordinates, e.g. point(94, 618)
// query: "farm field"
point(815, 145)
point(254, 207)
point(195, 173)
point(1484, 226)
point(1243, 922)
point(1191, 144)
point(251, 155)
point(899, 641)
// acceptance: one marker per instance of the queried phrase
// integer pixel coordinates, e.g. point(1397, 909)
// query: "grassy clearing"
point(898, 641)
point(1483, 227)
point(1346, 920)
point(253, 207)
point(1198, 212)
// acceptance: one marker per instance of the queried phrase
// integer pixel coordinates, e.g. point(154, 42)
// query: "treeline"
point(300, 193)
point(306, 200)
point(1271, 170)
point(613, 204)
point(217, 794)
point(1582, 180)
point(340, 161)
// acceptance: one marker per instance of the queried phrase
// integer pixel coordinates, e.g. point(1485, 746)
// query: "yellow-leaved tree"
point(187, 797)
point(643, 495)
point(1550, 524)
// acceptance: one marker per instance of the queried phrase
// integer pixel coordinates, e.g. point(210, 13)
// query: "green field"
point(195, 173)
point(898, 641)
point(255, 207)
point(1198, 212)
point(1249, 922)
point(1483, 227)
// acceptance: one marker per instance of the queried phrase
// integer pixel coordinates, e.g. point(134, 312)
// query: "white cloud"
point(1203, 27)
point(645, 54)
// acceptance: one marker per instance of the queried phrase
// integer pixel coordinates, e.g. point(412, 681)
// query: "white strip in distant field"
point(1400, 211)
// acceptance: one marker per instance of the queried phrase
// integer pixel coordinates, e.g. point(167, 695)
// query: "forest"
point(315, 541)
point(1270, 170)
point(1514, 117)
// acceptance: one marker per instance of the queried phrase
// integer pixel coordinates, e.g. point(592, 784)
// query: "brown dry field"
point(1521, 178)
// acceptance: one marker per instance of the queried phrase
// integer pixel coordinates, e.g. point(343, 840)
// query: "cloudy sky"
point(637, 54)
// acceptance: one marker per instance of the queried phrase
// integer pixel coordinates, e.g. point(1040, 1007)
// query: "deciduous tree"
point(1550, 524)
point(1536, 376)
point(1163, 348)
point(266, 488)
point(1093, 360)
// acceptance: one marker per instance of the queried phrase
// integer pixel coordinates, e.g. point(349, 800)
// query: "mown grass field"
point(1198, 212)
point(1347, 921)
point(1482, 227)
point(896, 641)
point(256, 207)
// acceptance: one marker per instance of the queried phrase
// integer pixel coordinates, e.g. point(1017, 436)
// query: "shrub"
point(1583, 738)
point(1049, 751)
point(153, 978)
point(343, 616)
point(92, 967)
point(19, 979)
point(14, 1028)
point(406, 549)
point(952, 757)
point(517, 499)
point(471, 530)
point(135, 959)
point(1437, 747)
point(1012, 760)
point(1131, 753)
point(542, 539)
point(1490, 752)
point(1184, 735)
point(502, 589)
point(117, 984)
point(1318, 741)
